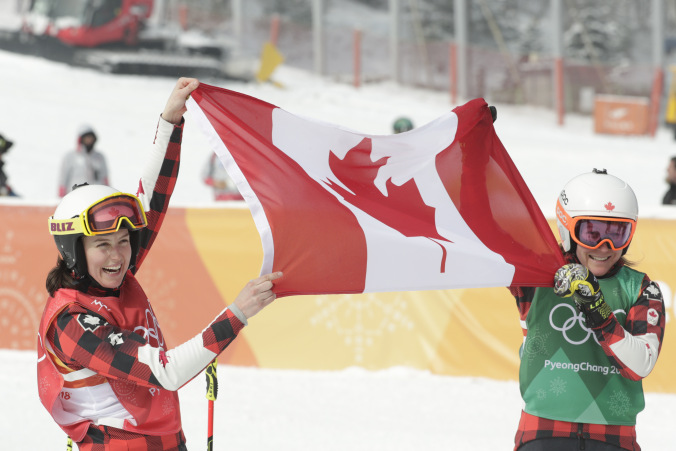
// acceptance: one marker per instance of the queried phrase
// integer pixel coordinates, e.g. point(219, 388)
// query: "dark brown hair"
point(60, 277)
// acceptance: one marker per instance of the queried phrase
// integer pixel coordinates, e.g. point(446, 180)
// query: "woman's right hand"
point(257, 294)
point(175, 107)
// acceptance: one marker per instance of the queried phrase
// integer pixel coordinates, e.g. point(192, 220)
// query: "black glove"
point(576, 280)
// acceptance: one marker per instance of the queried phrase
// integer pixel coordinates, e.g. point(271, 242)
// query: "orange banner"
point(621, 115)
point(203, 257)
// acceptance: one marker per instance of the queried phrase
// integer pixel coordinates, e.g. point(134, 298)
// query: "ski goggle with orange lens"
point(592, 232)
point(106, 215)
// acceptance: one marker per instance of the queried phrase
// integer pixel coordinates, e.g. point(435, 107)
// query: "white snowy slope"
point(354, 409)
point(43, 103)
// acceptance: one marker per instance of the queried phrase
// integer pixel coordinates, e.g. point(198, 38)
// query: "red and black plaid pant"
point(532, 428)
point(104, 438)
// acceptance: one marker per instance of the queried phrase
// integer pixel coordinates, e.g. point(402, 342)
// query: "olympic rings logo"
point(153, 330)
point(576, 319)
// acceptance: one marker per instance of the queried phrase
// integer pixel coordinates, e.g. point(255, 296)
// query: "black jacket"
point(670, 196)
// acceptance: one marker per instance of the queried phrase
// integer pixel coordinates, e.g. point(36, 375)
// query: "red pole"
point(558, 80)
point(453, 72)
point(655, 101)
point(183, 15)
point(210, 428)
point(274, 29)
point(357, 58)
point(212, 394)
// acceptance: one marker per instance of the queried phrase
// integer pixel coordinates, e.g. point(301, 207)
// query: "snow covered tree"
point(594, 33)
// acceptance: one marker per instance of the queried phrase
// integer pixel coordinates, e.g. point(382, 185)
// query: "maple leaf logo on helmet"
point(609, 206)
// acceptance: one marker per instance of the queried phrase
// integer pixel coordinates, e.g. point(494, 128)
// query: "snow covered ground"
point(352, 409)
point(43, 103)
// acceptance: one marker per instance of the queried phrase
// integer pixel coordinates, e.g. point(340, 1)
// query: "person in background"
point(402, 124)
point(83, 165)
point(215, 176)
point(107, 375)
point(670, 196)
point(591, 339)
point(5, 189)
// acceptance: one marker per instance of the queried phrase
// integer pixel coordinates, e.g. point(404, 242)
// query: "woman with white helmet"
point(106, 382)
point(591, 339)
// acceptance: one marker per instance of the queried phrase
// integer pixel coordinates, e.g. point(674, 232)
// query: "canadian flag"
point(339, 211)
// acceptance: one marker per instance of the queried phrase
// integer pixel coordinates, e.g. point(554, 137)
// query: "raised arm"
point(161, 171)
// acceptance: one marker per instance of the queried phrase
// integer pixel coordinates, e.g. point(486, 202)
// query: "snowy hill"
point(44, 103)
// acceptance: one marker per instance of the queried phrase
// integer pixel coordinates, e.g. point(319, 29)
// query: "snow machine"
point(117, 36)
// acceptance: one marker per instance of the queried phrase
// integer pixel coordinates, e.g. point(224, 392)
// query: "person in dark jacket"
point(670, 196)
point(5, 189)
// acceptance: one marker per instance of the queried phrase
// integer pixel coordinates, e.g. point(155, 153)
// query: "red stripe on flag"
point(493, 199)
point(318, 243)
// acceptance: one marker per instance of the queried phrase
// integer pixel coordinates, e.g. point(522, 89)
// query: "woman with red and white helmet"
point(104, 371)
point(590, 340)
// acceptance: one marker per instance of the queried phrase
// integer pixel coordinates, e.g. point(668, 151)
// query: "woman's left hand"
point(257, 294)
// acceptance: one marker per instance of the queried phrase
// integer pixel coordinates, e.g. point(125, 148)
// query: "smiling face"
point(108, 257)
point(598, 261)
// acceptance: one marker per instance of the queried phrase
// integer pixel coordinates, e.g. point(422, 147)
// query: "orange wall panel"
point(617, 115)
point(203, 257)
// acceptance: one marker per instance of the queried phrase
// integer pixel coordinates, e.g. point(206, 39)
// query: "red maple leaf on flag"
point(402, 208)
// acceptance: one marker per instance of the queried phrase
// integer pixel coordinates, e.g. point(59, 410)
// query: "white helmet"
point(76, 201)
point(69, 244)
point(595, 193)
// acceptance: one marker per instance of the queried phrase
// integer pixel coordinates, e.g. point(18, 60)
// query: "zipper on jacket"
point(580, 437)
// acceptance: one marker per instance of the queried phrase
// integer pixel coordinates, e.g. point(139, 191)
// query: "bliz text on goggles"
point(106, 215)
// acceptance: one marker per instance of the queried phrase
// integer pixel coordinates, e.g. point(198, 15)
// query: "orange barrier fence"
point(203, 257)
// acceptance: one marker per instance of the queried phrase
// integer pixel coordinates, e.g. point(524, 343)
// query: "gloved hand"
point(575, 280)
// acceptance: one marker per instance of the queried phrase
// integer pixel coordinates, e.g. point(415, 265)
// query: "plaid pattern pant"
point(537, 433)
point(104, 438)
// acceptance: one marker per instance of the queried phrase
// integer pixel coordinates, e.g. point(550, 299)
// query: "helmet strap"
point(135, 241)
point(80, 267)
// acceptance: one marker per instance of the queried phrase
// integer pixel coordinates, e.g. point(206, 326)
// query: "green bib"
point(564, 373)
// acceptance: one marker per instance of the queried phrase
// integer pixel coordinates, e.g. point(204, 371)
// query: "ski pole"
point(212, 393)
point(69, 444)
